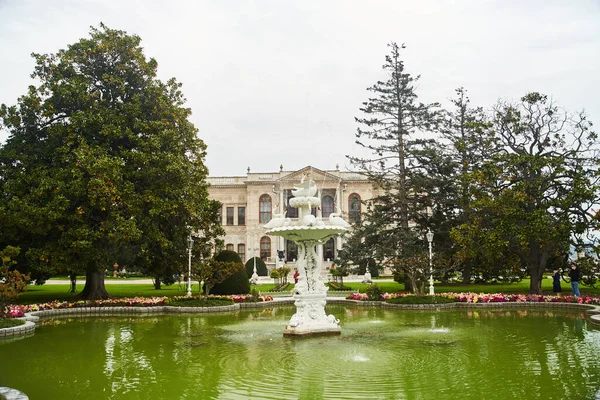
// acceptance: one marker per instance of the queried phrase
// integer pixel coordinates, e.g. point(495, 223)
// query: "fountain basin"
point(382, 353)
point(307, 233)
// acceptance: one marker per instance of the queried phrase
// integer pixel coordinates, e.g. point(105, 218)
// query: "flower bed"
point(491, 298)
point(14, 311)
point(248, 298)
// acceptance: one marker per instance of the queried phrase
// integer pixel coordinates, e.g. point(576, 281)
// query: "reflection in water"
point(381, 354)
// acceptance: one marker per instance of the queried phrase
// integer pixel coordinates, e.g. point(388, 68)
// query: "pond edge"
point(592, 311)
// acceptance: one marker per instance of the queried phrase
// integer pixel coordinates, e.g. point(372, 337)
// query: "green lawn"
point(518, 287)
point(107, 278)
point(45, 293)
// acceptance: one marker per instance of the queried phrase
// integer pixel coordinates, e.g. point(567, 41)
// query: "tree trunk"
point(466, 272)
point(94, 287)
point(156, 283)
point(535, 285)
point(73, 279)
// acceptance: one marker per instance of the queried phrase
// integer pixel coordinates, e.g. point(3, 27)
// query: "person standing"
point(556, 283)
point(575, 275)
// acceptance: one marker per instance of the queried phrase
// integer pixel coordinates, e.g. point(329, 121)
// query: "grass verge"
point(9, 323)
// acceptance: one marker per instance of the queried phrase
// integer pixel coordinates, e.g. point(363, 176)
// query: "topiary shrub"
point(261, 267)
point(235, 284)
point(362, 267)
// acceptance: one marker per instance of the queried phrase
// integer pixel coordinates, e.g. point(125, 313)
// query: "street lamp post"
point(190, 243)
point(430, 240)
point(254, 278)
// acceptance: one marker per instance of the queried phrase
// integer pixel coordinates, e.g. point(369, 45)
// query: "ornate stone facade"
point(250, 201)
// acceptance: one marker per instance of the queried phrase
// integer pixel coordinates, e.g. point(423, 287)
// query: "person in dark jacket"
point(556, 282)
point(575, 275)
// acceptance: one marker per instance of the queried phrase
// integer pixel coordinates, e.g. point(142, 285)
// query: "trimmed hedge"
point(420, 300)
point(237, 283)
point(362, 268)
point(261, 267)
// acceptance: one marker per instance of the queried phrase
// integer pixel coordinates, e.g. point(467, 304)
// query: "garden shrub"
point(275, 276)
point(374, 292)
point(261, 267)
point(235, 284)
point(12, 282)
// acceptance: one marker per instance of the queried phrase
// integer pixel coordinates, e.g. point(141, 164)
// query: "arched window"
point(242, 251)
point(264, 205)
point(229, 246)
point(354, 207)
point(291, 251)
point(327, 206)
point(292, 212)
point(265, 247)
point(329, 250)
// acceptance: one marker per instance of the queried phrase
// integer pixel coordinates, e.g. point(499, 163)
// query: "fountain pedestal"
point(310, 292)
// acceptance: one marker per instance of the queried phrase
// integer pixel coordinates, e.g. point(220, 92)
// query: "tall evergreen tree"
point(467, 142)
point(394, 129)
point(101, 157)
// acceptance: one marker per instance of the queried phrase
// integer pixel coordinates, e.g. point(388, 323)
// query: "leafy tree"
point(417, 270)
point(590, 270)
point(338, 274)
point(533, 199)
point(12, 282)
point(102, 160)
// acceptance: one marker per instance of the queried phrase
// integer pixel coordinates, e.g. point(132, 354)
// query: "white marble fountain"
point(308, 232)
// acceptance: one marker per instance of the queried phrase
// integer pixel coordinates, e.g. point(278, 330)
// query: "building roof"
point(282, 176)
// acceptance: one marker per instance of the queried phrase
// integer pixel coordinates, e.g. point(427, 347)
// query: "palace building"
point(249, 201)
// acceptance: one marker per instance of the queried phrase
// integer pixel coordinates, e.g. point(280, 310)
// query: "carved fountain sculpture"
point(307, 232)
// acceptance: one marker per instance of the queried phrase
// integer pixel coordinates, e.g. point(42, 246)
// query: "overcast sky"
point(280, 81)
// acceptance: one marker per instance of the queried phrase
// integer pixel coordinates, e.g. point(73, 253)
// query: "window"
point(327, 205)
point(329, 250)
point(241, 215)
point(242, 252)
point(220, 215)
point(354, 207)
point(264, 204)
point(229, 215)
point(265, 248)
point(291, 251)
point(229, 246)
point(292, 212)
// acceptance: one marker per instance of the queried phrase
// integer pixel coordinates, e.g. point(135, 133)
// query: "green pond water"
point(381, 354)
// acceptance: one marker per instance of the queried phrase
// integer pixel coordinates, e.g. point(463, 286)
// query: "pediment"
point(315, 174)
